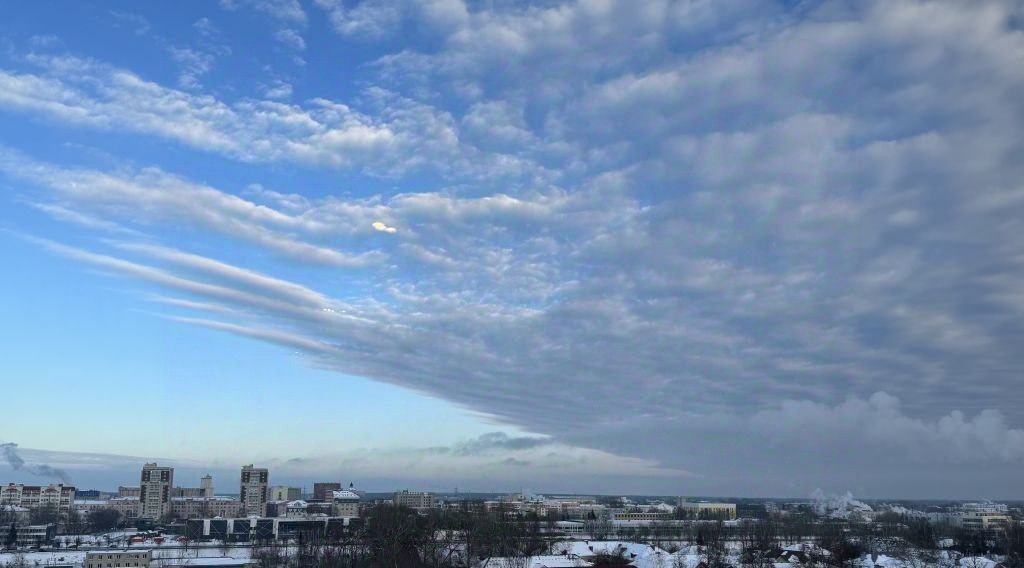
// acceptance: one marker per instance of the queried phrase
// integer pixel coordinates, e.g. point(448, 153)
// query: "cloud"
point(405, 135)
point(286, 11)
point(880, 422)
point(369, 19)
point(161, 197)
point(382, 469)
point(483, 460)
point(48, 41)
point(736, 237)
point(194, 64)
point(139, 24)
point(279, 90)
point(381, 227)
point(291, 38)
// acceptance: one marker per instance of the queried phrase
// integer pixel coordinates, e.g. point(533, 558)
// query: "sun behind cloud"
point(379, 226)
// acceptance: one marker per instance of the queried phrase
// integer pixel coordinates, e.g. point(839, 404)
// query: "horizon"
point(655, 247)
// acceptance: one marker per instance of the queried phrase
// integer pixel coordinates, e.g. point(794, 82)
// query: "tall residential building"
point(414, 500)
point(253, 490)
point(324, 490)
point(155, 491)
point(285, 493)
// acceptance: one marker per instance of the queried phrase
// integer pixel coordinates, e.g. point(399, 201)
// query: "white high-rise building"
point(206, 484)
point(155, 491)
point(253, 490)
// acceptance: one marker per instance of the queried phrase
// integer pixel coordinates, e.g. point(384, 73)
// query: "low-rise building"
point(414, 500)
point(218, 561)
point(14, 514)
point(296, 508)
point(34, 536)
point(127, 558)
point(706, 510)
point(638, 515)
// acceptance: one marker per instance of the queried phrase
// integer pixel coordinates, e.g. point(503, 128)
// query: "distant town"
point(157, 523)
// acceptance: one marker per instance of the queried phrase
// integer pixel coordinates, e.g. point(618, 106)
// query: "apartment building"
point(129, 491)
point(205, 508)
point(128, 558)
point(155, 491)
point(129, 507)
point(253, 491)
point(60, 497)
point(414, 499)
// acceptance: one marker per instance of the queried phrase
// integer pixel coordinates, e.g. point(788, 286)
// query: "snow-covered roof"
point(548, 561)
point(214, 561)
point(640, 555)
point(346, 495)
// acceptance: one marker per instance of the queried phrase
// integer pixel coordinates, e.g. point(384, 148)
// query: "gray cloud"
point(498, 441)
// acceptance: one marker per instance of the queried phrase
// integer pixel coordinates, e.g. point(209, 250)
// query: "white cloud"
point(291, 38)
point(139, 24)
point(48, 41)
point(154, 196)
point(194, 64)
point(369, 18)
point(279, 90)
point(287, 11)
point(405, 135)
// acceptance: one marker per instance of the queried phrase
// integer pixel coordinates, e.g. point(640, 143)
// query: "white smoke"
point(838, 506)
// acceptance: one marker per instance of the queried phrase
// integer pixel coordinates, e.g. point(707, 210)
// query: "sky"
point(729, 247)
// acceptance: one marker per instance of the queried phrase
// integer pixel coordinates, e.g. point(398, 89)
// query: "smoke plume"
point(10, 454)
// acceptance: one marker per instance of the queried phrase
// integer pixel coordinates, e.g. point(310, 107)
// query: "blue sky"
point(740, 248)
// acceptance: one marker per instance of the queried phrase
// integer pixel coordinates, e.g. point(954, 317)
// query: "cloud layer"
point(676, 232)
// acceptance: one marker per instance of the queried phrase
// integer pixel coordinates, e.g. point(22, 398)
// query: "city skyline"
point(714, 248)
